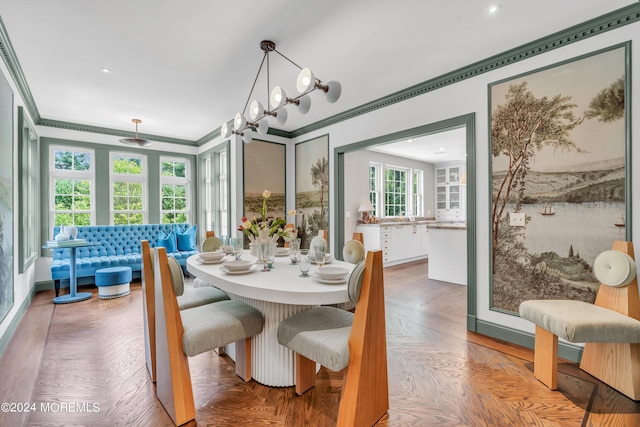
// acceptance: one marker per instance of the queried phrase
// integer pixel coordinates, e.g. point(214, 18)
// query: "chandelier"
point(277, 99)
point(139, 142)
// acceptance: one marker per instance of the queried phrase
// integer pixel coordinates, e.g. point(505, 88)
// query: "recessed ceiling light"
point(494, 8)
point(105, 70)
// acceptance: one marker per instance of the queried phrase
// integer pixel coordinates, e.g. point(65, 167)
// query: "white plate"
point(216, 261)
point(330, 281)
point(249, 270)
point(282, 252)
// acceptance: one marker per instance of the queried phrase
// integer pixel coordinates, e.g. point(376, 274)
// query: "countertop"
point(431, 223)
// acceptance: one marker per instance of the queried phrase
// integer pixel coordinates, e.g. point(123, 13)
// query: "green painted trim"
point(468, 121)
point(472, 275)
point(566, 350)
point(13, 64)
point(113, 132)
point(594, 27)
point(15, 322)
point(46, 285)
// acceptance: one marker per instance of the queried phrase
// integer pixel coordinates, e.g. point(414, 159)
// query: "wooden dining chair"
point(210, 233)
point(187, 298)
point(185, 333)
point(338, 339)
point(359, 237)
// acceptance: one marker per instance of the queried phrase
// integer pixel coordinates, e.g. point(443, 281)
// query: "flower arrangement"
point(264, 229)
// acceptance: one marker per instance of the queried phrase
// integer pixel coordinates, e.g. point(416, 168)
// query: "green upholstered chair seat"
point(194, 297)
point(210, 326)
point(320, 334)
point(578, 321)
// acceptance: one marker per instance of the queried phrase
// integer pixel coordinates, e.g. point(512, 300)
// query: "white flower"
point(292, 212)
point(263, 235)
point(266, 194)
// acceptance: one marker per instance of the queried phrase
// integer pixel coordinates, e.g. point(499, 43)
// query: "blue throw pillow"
point(168, 241)
point(186, 239)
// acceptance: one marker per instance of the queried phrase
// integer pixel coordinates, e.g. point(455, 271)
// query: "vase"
point(72, 231)
point(254, 249)
point(62, 235)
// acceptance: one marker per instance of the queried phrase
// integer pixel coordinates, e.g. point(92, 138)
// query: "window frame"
point(176, 181)
point(115, 177)
point(88, 175)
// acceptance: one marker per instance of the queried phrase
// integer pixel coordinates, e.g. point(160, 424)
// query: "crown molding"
point(596, 26)
point(13, 64)
point(113, 132)
point(611, 21)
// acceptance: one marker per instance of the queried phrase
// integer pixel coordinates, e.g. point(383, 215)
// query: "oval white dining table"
point(277, 294)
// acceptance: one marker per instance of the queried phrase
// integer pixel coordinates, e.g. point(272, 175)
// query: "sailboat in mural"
point(620, 222)
point(547, 210)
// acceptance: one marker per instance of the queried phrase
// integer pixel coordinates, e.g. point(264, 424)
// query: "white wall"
point(471, 96)
point(22, 283)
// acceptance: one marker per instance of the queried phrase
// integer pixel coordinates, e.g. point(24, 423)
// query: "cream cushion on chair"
point(322, 333)
point(192, 297)
point(353, 251)
point(578, 321)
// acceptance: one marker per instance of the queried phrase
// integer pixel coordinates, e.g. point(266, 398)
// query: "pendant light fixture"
point(138, 142)
point(277, 99)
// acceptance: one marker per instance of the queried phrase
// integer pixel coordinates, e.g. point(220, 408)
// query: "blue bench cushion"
point(118, 246)
point(113, 276)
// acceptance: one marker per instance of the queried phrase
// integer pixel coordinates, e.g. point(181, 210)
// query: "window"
point(208, 189)
point(174, 188)
point(28, 202)
point(417, 185)
point(128, 179)
point(395, 191)
point(71, 186)
point(374, 188)
point(224, 193)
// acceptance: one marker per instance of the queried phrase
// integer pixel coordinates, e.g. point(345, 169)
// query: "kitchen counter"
point(448, 252)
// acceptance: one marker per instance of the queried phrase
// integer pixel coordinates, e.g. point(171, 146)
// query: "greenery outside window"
point(395, 191)
point(128, 179)
point(72, 183)
point(174, 190)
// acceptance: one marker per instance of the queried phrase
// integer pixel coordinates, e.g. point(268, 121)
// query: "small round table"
point(73, 295)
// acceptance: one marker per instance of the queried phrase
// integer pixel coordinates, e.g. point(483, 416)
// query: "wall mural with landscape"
point(312, 188)
point(558, 148)
point(264, 169)
point(6, 197)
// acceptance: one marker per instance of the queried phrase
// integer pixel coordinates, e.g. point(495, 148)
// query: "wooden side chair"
point(210, 233)
point(359, 237)
point(339, 339)
point(187, 333)
point(187, 298)
point(610, 328)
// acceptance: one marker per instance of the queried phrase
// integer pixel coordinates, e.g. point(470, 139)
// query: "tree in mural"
point(520, 127)
point(320, 179)
point(608, 105)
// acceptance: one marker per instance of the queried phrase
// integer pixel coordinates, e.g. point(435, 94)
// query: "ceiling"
point(186, 67)
point(441, 147)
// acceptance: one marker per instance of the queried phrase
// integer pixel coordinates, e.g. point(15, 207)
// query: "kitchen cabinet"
point(450, 193)
point(399, 242)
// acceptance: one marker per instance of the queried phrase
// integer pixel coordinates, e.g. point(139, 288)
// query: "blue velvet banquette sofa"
point(119, 245)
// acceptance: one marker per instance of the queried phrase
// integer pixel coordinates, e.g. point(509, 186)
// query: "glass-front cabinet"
point(449, 192)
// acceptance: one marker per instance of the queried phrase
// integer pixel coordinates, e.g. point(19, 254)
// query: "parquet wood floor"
point(67, 359)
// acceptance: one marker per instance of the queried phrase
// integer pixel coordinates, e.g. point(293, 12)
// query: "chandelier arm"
point(254, 83)
point(276, 51)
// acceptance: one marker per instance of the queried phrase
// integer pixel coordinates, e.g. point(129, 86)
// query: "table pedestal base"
point(271, 363)
point(65, 299)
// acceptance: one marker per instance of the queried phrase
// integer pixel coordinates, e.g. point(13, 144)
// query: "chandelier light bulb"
point(256, 110)
point(225, 130)
point(239, 121)
point(278, 97)
point(306, 81)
